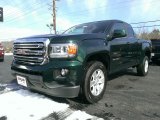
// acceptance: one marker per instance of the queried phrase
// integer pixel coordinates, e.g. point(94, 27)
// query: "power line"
point(25, 14)
point(133, 27)
point(98, 7)
point(24, 9)
point(105, 6)
point(80, 11)
point(146, 22)
point(113, 6)
point(147, 26)
point(28, 12)
point(12, 20)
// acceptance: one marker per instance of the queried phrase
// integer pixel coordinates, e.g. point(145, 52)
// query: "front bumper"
point(46, 79)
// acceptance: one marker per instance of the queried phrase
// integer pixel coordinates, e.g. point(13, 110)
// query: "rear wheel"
point(95, 81)
point(142, 68)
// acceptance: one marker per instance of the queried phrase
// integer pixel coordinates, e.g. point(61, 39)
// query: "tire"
point(94, 88)
point(142, 68)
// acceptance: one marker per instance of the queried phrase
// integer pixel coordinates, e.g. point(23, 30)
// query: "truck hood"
point(82, 36)
point(64, 37)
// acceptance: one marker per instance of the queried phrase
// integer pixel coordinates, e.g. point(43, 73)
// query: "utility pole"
point(54, 16)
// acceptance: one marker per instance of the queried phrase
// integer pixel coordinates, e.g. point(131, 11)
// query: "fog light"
point(64, 72)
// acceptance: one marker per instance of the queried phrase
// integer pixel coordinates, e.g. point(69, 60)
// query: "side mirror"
point(119, 33)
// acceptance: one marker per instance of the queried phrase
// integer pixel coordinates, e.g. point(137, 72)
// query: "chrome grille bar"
point(31, 59)
point(39, 45)
point(29, 52)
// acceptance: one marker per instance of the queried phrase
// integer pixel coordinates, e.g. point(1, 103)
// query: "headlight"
point(63, 50)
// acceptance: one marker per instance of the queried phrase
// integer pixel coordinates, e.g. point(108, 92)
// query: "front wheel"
point(142, 68)
point(95, 81)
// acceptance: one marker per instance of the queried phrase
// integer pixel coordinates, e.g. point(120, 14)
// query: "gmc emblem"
point(21, 51)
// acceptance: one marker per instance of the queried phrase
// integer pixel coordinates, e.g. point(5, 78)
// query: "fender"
point(97, 48)
point(146, 49)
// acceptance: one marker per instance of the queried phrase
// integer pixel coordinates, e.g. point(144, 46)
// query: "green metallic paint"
point(47, 70)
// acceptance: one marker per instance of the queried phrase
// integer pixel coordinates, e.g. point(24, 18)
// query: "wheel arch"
point(148, 53)
point(146, 48)
point(101, 56)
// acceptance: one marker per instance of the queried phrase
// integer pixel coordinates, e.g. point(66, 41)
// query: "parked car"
point(1, 53)
point(79, 61)
point(155, 50)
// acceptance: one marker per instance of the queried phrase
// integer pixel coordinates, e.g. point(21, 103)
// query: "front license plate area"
point(21, 80)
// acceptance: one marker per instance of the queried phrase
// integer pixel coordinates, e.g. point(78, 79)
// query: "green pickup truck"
point(78, 61)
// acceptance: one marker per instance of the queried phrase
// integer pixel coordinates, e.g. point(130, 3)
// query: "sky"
point(30, 17)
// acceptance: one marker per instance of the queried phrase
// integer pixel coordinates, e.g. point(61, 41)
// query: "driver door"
point(118, 48)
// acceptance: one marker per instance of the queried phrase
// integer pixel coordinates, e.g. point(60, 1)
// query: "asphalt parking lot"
point(127, 96)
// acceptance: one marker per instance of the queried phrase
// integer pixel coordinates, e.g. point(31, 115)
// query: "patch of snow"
point(20, 104)
point(79, 115)
point(24, 105)
point(8, 54)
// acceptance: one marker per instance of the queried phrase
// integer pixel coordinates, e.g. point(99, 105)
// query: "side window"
point(120, 29)
point(130, 32)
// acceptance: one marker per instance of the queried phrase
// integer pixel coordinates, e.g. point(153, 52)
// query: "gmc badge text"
point(78, 61)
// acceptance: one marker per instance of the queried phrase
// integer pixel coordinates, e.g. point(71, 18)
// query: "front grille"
point(30, 53)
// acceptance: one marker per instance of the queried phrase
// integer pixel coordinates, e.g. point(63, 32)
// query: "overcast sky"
point(24, 18)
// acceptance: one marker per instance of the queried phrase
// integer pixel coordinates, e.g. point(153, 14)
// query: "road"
point(5, 72)
point(127, 96)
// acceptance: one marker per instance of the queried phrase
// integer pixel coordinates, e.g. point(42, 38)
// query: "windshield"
point(87, 28)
